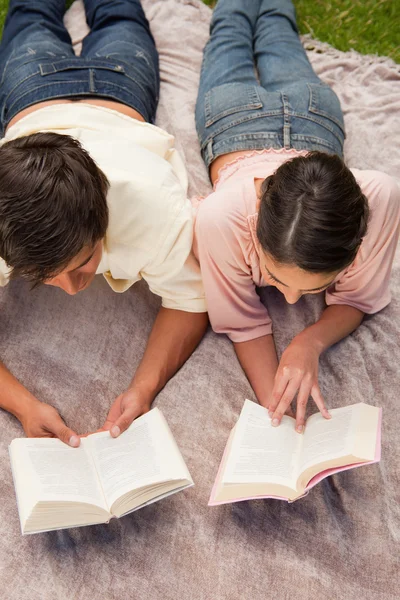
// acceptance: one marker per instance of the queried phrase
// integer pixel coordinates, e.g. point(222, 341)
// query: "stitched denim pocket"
point(325, 103)
point(229, 99)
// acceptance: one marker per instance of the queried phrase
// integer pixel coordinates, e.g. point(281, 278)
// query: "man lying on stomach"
point(88, 186)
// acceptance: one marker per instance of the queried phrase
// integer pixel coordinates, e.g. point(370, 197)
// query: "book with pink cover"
point(262, 461)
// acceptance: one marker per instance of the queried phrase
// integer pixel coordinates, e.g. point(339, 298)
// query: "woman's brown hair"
point(312, 214)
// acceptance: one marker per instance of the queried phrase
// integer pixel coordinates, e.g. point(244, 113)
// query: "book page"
point(260, 452)
point(47, 469)
point(144, 454)
point(326, 439)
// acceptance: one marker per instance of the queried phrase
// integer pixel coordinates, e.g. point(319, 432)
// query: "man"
point(88, 186)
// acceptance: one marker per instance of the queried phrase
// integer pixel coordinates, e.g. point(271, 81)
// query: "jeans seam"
point(316, 139)
point(149, 61)
point(322, 123)
point(210, 155)
point(253, 96)
point(83, 80)
point(83, 94)
point(75, 65)
point(312, 108)
point(45, 85)
point(5, 69)
point(286, 121)
point(92, 84)
point(20, 83)
point(248, 137)
point(232, 111)
point(247, 119)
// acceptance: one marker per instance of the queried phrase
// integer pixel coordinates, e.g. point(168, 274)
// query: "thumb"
point(64, 433)
point(123, 422)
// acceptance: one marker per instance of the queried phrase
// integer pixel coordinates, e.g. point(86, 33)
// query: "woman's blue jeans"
point(257, 87)
point(119, 60)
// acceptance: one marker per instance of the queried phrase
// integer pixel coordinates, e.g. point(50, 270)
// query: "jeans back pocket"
point(324, 103)
point(228, 99)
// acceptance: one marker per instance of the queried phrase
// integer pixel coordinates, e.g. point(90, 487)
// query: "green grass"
point(368, 26)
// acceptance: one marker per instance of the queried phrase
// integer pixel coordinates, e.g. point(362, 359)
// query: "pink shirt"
point(227, 248)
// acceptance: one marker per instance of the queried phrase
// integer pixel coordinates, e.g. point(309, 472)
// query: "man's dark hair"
point(52, 204)
point(312, 214)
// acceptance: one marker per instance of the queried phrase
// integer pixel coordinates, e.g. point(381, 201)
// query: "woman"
point(285, 210)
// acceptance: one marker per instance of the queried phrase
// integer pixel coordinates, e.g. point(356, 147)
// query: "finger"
point(302, 399)
point(319, 401)
point(64, 433)
point(286, 400)
point(123, 422)
point(281, 382)
point(107, 425)
point(289, 411)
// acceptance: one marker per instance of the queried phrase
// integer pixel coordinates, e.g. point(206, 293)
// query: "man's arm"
point(174, 336)
point(37, 418)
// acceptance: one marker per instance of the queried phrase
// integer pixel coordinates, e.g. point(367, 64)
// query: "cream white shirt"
point(150, 217)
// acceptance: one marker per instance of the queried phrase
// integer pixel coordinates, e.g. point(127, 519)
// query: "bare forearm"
point(336, 322)
point(14, 397)
point(174, 337)
point(259, 362)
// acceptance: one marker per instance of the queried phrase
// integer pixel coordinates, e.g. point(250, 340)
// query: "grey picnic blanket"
point(341, 542)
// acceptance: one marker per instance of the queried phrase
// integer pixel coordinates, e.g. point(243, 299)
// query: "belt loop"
point(3, 118)
point(47, 68)
point(210, 155)
point(286, 122)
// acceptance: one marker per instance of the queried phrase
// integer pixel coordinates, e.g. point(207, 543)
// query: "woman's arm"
point(298, 368)
point(336, 322)
point(259, 362)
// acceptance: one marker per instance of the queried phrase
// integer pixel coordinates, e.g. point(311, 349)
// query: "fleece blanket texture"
point(341, 542)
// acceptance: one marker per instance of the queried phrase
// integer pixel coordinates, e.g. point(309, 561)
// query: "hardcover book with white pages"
point(262, 461)
point(59, 487)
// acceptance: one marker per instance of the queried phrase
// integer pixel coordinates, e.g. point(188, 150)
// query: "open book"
point(58, 486)
point(262, 461)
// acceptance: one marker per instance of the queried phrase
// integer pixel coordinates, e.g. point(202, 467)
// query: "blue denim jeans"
point(257, 87)
point(119, 60)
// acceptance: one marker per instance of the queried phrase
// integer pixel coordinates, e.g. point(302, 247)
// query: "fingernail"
point(299, 429)
point(270, 413)
point(275, 422)
point(328, 415)
point(74, 441)
point(115, 431)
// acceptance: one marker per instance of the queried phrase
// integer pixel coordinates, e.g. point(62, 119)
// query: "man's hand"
point(124, 410)
point(42, 420)
point(297, 374)
point(174, 336)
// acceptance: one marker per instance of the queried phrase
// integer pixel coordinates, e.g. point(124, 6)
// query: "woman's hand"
point(297, 374)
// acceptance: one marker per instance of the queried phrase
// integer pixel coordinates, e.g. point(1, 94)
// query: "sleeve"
point(4, 273)
point(174, 274)
point(221, 243)
point(365, 284)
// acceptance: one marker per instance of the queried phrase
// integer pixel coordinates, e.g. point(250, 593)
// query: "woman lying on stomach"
point(285, 210)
